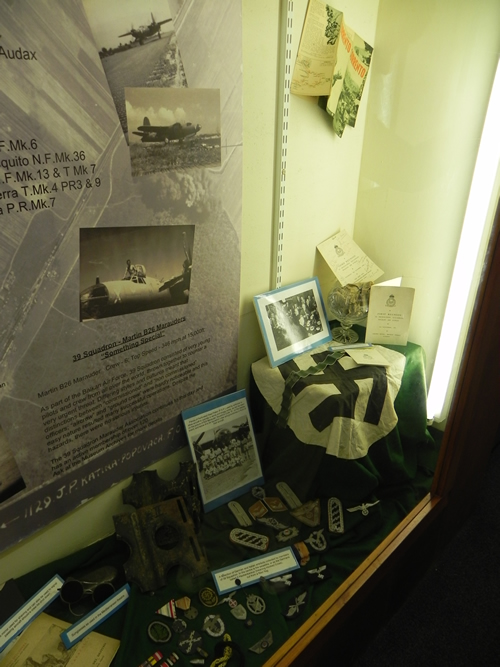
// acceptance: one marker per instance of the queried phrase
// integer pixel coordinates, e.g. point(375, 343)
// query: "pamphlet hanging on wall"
point(223, 446)
point(292, 320)
point(112, 261)
point(332, 62)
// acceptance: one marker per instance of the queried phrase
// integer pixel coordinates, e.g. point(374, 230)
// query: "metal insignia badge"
point(290, 498)
point(239, 612)
point(255, 604)
point(208, 597)
point(335, 516)
point(363, 508)
point(258, 492)
point(317, 540)
point(179, 625)
point(318, 574)
point(272, 523)
point(287, 534)
point(239, 513)
point(191, 613)
point(263, 643)
point(248, 539)
point(213, 625)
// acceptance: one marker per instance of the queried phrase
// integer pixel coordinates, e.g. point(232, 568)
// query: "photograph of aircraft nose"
point(142, 33)
point(121, 286)
point(166, 133)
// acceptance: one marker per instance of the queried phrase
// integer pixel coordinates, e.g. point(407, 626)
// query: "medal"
point(213, 625)
point(208, 597)
point(317, 540)
point(255, 604)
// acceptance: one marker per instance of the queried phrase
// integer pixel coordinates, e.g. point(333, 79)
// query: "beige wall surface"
point(398, 181)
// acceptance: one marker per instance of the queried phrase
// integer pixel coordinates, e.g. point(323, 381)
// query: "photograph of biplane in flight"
point(166, 133)
point(143, 32)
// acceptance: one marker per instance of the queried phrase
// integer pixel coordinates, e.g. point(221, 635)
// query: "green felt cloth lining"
point(397, 472)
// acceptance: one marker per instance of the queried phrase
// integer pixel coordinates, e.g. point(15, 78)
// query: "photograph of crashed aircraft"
point(173, 128)
point(165, 133)
point(143, 32)
point(112, 280)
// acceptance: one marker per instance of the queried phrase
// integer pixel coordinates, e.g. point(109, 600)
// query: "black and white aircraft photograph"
point(137, 46)
point(173, 128)
point(132, 269)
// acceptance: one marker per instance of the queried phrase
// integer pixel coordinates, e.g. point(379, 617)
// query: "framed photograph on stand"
point(292, 320)
point(223, 446)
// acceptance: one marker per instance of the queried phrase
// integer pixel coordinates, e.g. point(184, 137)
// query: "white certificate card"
point(347, 261)
point(389, 315)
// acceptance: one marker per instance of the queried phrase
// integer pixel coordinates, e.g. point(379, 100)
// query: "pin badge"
point(239, 612)
point(272, 523)
point(287, 534)
point(179, 626)
point(213, 625)
point(317, 540)
point(208, 597)
point(191, 613)
point(255, 604)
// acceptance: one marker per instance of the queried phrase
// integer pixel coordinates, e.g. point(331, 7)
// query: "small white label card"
point(30, 610)
point(347, 261)
point(389, 315)
point(81, 628)
point(370, 356)
point(250, 571)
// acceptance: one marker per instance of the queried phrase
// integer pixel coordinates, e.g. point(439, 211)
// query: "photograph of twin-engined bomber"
point(143, 32)
point(126, 270)
point(173, 128)
point(137, 45)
